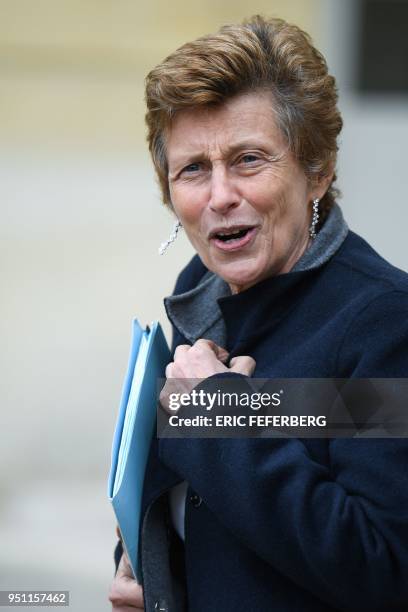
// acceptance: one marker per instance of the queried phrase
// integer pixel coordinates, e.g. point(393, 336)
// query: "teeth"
point(232, 235)
point(230, 232)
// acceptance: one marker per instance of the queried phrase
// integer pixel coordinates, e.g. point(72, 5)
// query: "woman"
point(242, 131)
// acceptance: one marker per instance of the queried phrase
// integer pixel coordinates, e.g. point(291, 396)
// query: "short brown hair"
point(258, 54)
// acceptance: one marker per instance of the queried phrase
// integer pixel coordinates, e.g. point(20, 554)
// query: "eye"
point(191, 168)
point(249, 158)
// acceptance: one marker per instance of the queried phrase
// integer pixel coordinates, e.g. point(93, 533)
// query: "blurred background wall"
point(81, 222)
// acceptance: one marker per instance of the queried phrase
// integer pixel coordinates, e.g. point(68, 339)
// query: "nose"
point(224, 195)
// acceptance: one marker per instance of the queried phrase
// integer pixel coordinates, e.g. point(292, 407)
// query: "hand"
point(194, 363)
point(125, 594)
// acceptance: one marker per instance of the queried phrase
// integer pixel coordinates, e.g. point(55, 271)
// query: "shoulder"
point(190, 275)
point(357, 278)
point(357, 263)
point(366, 298)
point(375, 343)
point(375, 339)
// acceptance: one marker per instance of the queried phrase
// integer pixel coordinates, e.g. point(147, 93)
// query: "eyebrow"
point(196, 156)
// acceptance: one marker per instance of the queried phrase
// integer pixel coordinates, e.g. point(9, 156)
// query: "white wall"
point(79, 240)
point(373, 152)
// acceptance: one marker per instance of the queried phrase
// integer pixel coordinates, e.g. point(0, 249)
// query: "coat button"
point(196, 500)
point(160, 606)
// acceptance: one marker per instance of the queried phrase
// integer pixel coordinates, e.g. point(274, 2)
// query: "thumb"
point(222, 353)
point(124, 569)
point(243, 365)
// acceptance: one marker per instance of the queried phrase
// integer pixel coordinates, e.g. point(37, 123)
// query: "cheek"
point(285, 202)
point(283, 208)
point(268, 201)
point(265, 192)
point(187, 206)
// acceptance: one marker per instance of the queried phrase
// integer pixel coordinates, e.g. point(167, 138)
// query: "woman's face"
point(243, 200)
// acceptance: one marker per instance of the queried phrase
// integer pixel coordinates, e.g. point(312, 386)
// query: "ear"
point(320, 183)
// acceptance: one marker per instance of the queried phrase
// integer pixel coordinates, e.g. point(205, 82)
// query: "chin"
point(240, 278)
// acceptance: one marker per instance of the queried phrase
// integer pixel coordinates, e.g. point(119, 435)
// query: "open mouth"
point(234, 238)
point(227, 237)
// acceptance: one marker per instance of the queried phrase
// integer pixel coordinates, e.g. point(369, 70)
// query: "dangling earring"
point(315, 218)
point(172, 237)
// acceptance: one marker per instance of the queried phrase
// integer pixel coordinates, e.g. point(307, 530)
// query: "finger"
point(222, 354)
point(219, 351)
point(126, 592)
point(124, 589)
point(243, 365)
point(169, 371)
point(205, 344)
point(182, 349)
point(164, 399)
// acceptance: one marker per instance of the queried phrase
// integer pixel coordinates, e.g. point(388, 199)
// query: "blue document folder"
point(149, 355)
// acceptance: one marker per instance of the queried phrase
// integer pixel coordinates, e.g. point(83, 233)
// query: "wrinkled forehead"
point(245, 120)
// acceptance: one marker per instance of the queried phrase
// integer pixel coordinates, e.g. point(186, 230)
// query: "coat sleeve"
point(339, 530)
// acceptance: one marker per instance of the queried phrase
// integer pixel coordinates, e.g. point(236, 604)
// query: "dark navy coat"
point(291, 525)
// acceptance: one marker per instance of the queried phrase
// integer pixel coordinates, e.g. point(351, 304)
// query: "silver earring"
point(164, 245)
point(315, 218)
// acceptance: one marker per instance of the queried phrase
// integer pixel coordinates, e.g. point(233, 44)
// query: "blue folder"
point(149, 355)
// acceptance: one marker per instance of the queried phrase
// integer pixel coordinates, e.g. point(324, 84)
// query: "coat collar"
point(203, 311)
